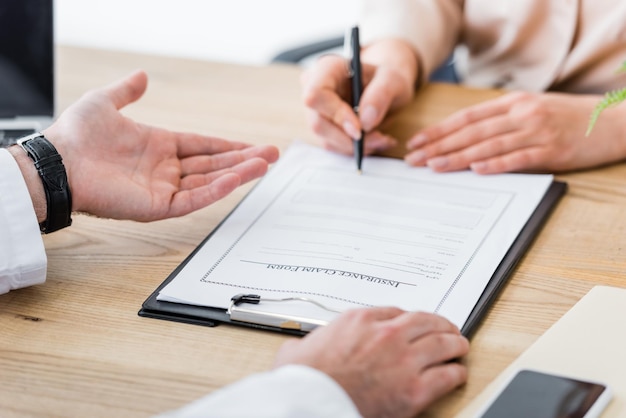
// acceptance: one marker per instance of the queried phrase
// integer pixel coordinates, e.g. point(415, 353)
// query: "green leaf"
point(611, 98)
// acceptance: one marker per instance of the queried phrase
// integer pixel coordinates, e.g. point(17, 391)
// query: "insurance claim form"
point(393, 236)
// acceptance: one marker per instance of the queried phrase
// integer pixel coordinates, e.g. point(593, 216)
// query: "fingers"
point(199, 164)
point(439, 347)
point(390, 72)
point(507, 152)
point(127, 90)
point(329, 72)
point(433, 339)
point(413, 353)
point(187, 201)
point(389, 361)
point(381, 313)
point(496, 126)
point(190, 144)
point(247, 170)
point(481, 140)
point(527, 159)
point(420, 324)
point(332, 108)
point(459, 132)
point(385, 89)
point(491, 129)
point(462, 119)
point(199, 190)
point(286, 350)
point(326, 95)
point(331, 115)
point(334, 138)
point(433, 356)
point(438, 381)
point(377, 141)
point(412, 325)
point(193, 145)
point(325, 89)
point(438, 375)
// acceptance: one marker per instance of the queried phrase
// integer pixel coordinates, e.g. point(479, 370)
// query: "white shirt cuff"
point(289, 391)
point(23, 261)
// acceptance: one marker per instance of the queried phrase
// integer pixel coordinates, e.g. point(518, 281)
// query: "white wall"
point(243, 31)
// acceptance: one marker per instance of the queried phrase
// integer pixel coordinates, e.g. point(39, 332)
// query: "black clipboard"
point(209, 316)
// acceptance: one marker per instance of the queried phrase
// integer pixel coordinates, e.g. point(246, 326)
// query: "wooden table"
point(75, 346)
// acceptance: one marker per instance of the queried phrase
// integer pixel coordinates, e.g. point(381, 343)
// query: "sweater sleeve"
point(22, 255)
point(432, 27)
point(289, 391)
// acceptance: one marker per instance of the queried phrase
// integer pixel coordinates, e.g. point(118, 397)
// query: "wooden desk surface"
point(75, 345)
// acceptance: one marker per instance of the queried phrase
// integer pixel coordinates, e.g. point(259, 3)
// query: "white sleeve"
point(22, 254)
point(290, 391)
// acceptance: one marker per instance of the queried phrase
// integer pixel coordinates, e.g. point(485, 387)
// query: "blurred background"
point(241, 31)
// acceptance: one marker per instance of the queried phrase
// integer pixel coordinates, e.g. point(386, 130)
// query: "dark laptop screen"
point(26, 58)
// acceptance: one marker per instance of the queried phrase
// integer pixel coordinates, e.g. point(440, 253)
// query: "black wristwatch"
point(50, 167)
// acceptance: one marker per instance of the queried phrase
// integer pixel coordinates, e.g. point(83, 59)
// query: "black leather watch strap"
point(50, 167)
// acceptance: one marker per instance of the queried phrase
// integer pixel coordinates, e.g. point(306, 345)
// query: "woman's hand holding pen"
point(389, 74)
point(516, 132)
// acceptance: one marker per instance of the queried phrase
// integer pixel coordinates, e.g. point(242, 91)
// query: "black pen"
point(357, 89)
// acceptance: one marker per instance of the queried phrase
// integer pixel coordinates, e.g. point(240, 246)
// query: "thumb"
point(384, 90)
point(127, 90)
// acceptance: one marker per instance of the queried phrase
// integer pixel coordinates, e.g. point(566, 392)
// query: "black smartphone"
point(536, 394)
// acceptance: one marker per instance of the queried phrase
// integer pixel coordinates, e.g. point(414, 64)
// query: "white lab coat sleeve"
point(292, 391)
point(22, 255)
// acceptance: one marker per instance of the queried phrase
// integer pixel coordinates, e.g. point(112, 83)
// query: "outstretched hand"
point(122, 169)
point(390, 362)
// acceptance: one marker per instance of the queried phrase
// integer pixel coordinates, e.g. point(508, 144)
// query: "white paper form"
point(392, 236)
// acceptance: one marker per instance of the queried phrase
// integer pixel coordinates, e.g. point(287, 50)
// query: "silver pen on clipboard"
point(238, 311)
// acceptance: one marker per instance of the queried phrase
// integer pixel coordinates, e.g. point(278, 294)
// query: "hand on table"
point(521, 132)
point(390, 362)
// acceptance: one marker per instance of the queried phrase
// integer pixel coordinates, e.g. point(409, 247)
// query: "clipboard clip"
point(239, 312)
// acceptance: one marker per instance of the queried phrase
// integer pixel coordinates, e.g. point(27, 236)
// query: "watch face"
point(26, 58)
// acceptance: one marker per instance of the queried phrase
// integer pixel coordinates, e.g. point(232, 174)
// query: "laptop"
point(27, 102)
